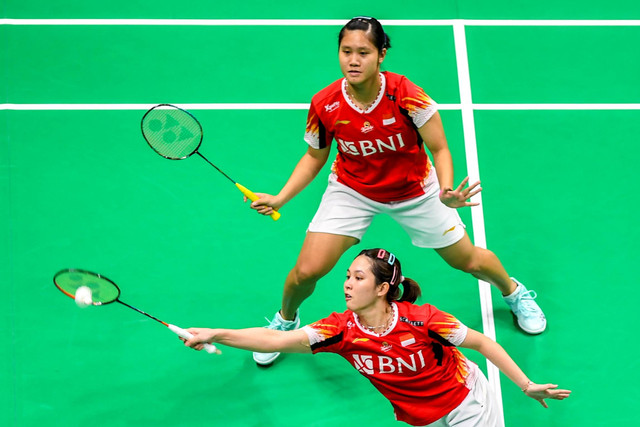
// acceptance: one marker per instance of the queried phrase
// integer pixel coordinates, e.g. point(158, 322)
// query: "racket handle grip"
point(182, 333)
point(275, 215)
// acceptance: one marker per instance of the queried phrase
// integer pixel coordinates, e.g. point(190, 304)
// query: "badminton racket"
point(105, 291)
point(176, 134)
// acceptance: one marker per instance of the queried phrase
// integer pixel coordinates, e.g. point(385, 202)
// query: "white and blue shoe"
point(279, 324)
point(530, 317)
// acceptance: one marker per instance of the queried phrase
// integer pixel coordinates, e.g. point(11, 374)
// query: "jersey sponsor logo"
point(407, 339)
point(332, 107)
point(342, 122)
point(369, 364)
point(366, 127)
point(367, 148)
point(360, 340)
point(411, 322)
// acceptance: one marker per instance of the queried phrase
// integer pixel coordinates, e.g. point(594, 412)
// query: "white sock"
point(513, 294)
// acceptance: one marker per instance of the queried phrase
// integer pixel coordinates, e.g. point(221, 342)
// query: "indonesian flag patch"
point(407, 339)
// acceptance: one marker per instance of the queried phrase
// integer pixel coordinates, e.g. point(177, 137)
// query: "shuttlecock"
point(83, 296)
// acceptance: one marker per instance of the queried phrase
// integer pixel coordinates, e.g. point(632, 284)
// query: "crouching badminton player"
point(407, 351)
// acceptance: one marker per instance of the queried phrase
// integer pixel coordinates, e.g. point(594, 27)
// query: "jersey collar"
point(391, 327)
point(383, 87)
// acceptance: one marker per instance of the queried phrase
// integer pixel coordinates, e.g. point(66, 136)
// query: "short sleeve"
point(316, 134)
point(325, 335)
point(446, 326)
point(416, 102)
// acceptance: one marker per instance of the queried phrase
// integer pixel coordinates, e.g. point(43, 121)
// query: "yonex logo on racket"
point(168, 128)
point(171, 132)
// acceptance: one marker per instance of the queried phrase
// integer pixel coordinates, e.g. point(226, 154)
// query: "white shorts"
point(429, 223)
point(478, 409)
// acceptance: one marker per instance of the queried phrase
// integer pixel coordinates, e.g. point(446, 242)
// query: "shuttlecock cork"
point(83, 297)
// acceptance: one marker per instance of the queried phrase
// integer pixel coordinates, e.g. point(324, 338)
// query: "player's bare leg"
point(485, 265)
point(481, 263)
point(319, 254)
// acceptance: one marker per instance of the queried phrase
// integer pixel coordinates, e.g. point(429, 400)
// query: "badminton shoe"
point(279, 324)
point(530, 317)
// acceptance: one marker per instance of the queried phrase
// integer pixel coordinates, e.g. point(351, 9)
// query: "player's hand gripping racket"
point(104, 291)
point(175, 134)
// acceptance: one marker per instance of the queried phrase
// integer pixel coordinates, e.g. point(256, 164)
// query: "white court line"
point(555, 106)
point(304, 106)
point(333, 22)
point(477, 217)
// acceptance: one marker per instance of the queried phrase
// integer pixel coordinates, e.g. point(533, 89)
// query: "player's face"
point(359, 58)
point(360, 289)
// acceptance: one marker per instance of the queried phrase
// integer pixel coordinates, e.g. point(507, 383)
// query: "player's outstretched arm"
point(499, 357)
point(253, 339)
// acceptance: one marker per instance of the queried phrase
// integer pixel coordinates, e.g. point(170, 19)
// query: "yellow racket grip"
point(275, 215)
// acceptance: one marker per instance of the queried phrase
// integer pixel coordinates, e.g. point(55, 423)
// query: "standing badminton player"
point(407, 351)
point(382, 124)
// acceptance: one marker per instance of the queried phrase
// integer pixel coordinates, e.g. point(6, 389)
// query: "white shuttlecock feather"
point(84, 296)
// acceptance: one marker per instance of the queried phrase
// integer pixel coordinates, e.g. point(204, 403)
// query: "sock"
point(512, 295)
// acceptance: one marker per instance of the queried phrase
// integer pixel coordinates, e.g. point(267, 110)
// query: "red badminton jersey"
point(414, 364)
point(380, 152)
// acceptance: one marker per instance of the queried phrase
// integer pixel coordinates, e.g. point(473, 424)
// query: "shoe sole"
point(268, 362)
point(260, 365)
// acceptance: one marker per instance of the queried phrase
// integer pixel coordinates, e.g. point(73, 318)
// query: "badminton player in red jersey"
point(382, 125)
point(407, 351)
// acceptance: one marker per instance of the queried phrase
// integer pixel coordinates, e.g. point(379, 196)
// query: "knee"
point(472, 262)
point(306, 274)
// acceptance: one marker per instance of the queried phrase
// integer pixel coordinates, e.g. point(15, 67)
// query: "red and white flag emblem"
point(388, 119)
point(407, 339)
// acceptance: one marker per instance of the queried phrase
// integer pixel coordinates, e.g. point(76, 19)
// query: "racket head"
point(103, 290)
point(171, 131)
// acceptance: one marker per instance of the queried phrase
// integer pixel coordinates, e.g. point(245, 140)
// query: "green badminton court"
point(546, 112)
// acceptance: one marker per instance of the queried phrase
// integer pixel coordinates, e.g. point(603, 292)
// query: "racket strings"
point(103, 291)
point(171, 132)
